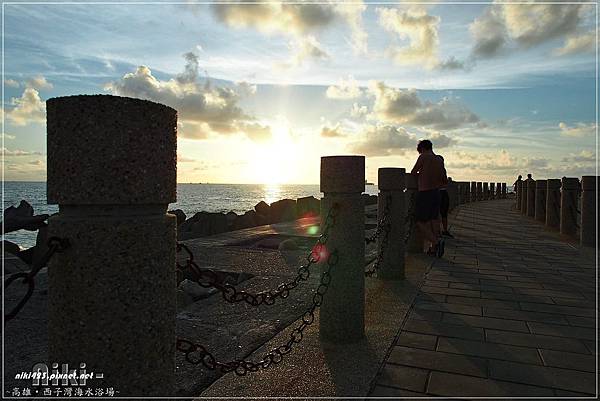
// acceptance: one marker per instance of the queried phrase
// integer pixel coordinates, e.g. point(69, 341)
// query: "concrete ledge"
point(315, 369)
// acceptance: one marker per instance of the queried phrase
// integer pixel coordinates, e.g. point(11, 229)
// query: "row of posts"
point(342, 182)
point(112, 165)
point(567, 205)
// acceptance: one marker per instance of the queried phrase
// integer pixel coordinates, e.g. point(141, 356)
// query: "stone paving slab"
point(510, 311)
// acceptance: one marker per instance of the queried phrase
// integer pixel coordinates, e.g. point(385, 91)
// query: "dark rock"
point(261, 219)
point(246, 220)
point(231, 217)
point(262, 208)
point(180, 216)
point(308, 206)
point(283, 210)
point(203, 224)
point(288, 245)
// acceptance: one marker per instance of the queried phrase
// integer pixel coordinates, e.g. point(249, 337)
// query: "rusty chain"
point(55, 244)
point(383, 223)
point(383, 227)
point(197, 354)
point(208, 278)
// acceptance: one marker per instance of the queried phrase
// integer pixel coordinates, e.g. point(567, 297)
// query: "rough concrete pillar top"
point(553, 183)
point(110, 150)
point(411, 182)
point(569, 183)
point(342, 174)
point(588, 183)
point(391, 178)
point(541, 184)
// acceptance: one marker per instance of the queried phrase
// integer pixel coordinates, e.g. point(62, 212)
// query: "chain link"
point(197, 354)
point(208, 278)
point(55, 244)
point(384, 226)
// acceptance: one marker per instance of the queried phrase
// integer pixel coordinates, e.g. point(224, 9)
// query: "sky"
point(264, 90)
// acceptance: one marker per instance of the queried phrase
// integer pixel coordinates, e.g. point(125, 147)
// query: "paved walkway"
point(509, 311)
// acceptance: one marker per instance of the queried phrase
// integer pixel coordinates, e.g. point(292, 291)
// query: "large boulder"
point(180, 216)
point(246, 220)
point(203, 224)
point(261, 219)
point(308, 206)
point(283, 210)
point(262, 208)
point(231, 217)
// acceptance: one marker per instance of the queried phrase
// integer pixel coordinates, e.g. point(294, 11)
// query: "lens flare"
point(312, 230)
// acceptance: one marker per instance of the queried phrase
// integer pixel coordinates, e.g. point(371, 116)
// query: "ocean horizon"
point(191, 198)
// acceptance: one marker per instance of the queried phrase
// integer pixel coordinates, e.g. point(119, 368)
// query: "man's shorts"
point(427, 205)
point(444, 203)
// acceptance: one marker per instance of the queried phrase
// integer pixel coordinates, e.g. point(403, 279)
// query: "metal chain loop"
point(382, 223)
point(208, 278)
point(197, 354)
point(55, 244)
point(384, 226)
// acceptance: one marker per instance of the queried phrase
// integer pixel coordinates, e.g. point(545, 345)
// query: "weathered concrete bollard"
point(553, 204)
point(492, 190)
point(112, 294)
point(519, 193)
point(503, 187)
point(342, 312)
point(473, 192)
point(415, 241)
point(568, 206)
point(540, 200)
point(524, 197)
point(479, 191)
point(589, 202)
point(464, 190)
point(499, 190)
point(391, 182)
point(486, 191)
point(530, 198)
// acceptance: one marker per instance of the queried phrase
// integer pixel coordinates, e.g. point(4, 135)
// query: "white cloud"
point(306, 48)
point(11, 82)
point(352, 13)
point(527, 25)
point(7, 136)
point(18, 152)
point(358, 111)
point(204, 109)
point(578, 43)
point(38, 82)
point(384, 140)
point(419, 28)
point(345, 89)
point(29, 108)
point(403, 106)
point(331, 132)
point(578, 130)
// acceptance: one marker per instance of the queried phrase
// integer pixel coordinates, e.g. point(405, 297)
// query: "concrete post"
point(568, 206)
point(479, 191)
point(112, 294)
point(540, 200)
point(391, 188)
point(492, 190)
point(486, 191)
point(524, 194)
point(503, 187)
point(519, 192)
point(473, 193)
point(464, 190)
point(531, 198)
point(499, 190)
point(553, 204)
point(415, 242)
point(589, 202)
point(342, 311)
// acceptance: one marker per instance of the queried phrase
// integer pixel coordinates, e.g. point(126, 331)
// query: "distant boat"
point(368, 183)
